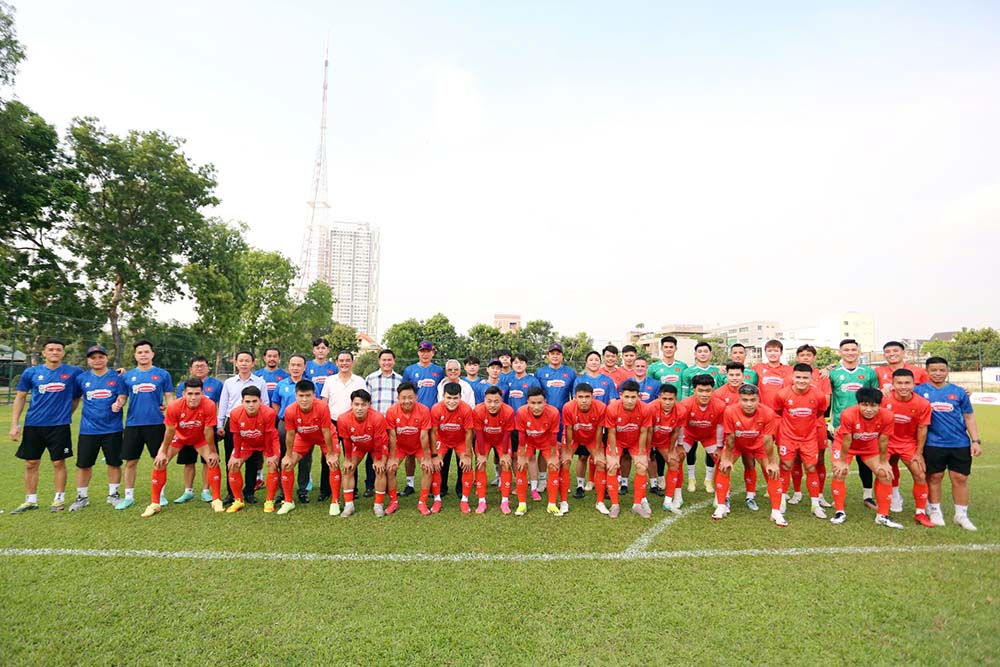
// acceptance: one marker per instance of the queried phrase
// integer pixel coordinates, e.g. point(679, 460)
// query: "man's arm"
point(973, 428)
point(168, 437)
point(15, 415)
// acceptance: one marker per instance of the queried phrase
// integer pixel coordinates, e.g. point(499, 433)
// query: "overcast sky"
point(593, 164)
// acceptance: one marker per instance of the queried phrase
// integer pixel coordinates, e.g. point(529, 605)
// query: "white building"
point(831, 329)
point(751, 334)
point(349, 261)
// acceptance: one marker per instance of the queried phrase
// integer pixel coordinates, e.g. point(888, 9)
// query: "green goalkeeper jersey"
point(691, 371)
point(844, 384)
point(668, 374)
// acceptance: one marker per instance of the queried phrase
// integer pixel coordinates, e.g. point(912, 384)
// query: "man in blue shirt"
point(557, 381)
point(519, 382)
point(272, 372)
point(282, 397)
point(320, 367)
point(425, 375)
point(147, 389)
point(952, 441)
point(479, 385)
point(100, 427)
point(46, 425)
point(212, 388)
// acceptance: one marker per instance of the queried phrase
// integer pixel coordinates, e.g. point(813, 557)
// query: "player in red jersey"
point(451, 429)
point(254, 434)
point(911, 417)
point(629, 423)
point(800, 406)
point(190, 422)
point(703, 421)
point(772, 375)
point(806, 354)
point(666, 419)
point(307, 424)
point(730, 392)
point(364, 432)
point(749, 429)
point(409, 424)
point(893, 352)
point(537, 426)
point(494, 422)
point(864, 431)
point(583, 424)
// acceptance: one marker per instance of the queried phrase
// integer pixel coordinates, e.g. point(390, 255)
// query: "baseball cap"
point(96, 349)
point(494, 362)
point(555, 347)
point(425, 345)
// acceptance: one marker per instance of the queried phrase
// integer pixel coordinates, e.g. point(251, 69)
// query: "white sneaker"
point(823, 502)
point(719, 513)
point(937, 518)
point(896, 504)
point(564, 507)
point(887, 522)
point(818, 512)
point(838, 518)
point(379, 511)
point(964, 522)
point(678, 500)
point(645, 505)
point(602, 508)
point(778, 518)
point(784, 503)
point(796, 498)
point(334, 509)
point(348, 510)
point(589, 486)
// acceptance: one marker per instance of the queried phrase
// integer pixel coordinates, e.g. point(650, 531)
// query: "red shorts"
point(483, 448)
point(805, 450)
point(860, 452)
point(905, 450)
point(179, 446)
point(305, 447)
point(757, 452)
point(441, 447)
point(529, 449)
point(377, 452)
point(706, 443)
point(821, 439)
point(403, 449)
point(247, 452)
point(633, 450)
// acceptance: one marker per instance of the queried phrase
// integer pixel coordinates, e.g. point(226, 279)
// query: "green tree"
point(11, 50)
point(439, 330)
point(484, 341)
point(404, 337)
point(575, 349)
point(342, 337)
point(138, 215)
point(533, 340)
point(366, 364)
point(267, 314)
point(826, 356)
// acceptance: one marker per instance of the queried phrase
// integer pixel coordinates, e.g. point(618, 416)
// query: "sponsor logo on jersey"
point(189, 424)
point(773, 380)
point(747, 433)
point(307, 428)
point(942, 406)
point(558, 384)
point(51, 388)
point(492, 430)
point(516, 393)
point(900, 418)
point(627, 427)
point(144, 388)
point(251, 433)
point(850, 387)
point(449, 426)
point(801, 412)
point(406, 429)
point(98, 394)
point(426, 382)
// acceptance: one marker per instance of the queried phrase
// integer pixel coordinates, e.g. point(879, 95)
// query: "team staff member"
point(337, 394)
point(383, 385)
point(557, 381)
point(229, 400)
point(212, 388)
point(100, 427)
point(46, 425)
point(147, 389)
point(272, 372)
point(282, 397)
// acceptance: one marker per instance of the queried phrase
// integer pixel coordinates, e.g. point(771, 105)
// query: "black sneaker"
point(227, 501)
point(656, 491)
point(303, 497)
point(408, 491)
point(279, 497)
point(323, 497)
point(369, 492)
point(622, 490)
point(250, 499)
point(579, 492)
point(871, 504)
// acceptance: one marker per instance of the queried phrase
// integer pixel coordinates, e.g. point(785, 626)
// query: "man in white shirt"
point(337, 393)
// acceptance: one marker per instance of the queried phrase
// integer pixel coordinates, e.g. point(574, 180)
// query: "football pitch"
point(190, 586)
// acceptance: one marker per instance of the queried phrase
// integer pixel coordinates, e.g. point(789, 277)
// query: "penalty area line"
point(646, 539)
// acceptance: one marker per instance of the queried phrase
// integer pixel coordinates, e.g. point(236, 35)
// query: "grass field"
point(190, 586)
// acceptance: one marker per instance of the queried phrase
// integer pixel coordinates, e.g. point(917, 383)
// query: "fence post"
point(10, 366)
point(981, 385)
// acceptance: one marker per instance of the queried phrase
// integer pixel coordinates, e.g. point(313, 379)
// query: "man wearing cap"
point(557, 381)
point(100, 427)
point(211, 388)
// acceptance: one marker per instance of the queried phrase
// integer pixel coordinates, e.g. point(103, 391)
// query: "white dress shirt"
point(468, 394)
point(338, 393)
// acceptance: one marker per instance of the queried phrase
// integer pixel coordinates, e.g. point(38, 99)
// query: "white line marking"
point(493, 558)
point(644, 540)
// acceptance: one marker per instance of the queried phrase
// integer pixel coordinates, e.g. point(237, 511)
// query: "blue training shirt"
point(271, 378)
point(604, 386)
point(949, 404)
point(558, 385)
point(515, 393)
point(51, 392)
point(99, 393)
point(210, 386)
point(145, 391)
point(426, 380)
point(649, 389)
point(318, 373)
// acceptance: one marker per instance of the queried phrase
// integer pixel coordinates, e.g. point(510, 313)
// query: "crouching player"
point(307, 424)
point(190, 422)
point(583, 424)
point(749, 430)
point(703, 421)
point(254, 435)
point(409, 424)
point(911, 417)
point(537, 425)
point(363, 431)
point(494, 422)
point(667, 418)
point(451, 428)
point(864, 432)
point(629, 422)
point(800, 406)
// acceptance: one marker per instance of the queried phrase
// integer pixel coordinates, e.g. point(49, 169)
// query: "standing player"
point(100, 427)
point(46, 425)
point(845, 380)
point(729, 393)
point(952, 441)
point(147, 389)
point(611, 367)
point(703, 424)
point(282, 397)
point(471, 365)
point(409, 423)
point(702, 356)
point(629, 355)
point(667, 419)
point(557, 381)
point(255, 435)
point(893, 352)
point(494, 422)
point(319, 368)
point(363, 431)
point(188, 422)
point(799, 407)
point(271, 373)
point(772, 375)
point(864, 432)
point(583, 419)
point(506, 370)
point(451, 428)
point(911, 417)
point(738, 353)
point(307, 424)
point(668, 370)
point(629, 424)
point(518, 386)
point(749, 428)
point(538, 426)
point(212, 388)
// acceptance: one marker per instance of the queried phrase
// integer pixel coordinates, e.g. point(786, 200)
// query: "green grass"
point(917, 607)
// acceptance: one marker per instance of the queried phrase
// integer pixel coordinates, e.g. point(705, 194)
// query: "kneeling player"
point(667, 418)
point(363, 431)
point(583, 424)
point(537, 426)
point(307, 424)
point(254, 435)
point(864, 432)
point(628, 422)
point(911, 417)
point(190, 422)
point(451, 428)
point(409, 424)
point(494, 422)
point(749, 429)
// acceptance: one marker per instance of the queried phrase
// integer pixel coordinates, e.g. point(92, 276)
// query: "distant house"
point(367, 344)
point(945, 336)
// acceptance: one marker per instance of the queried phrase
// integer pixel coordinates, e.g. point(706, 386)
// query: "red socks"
point(393, 493)
point(883, 497)
point(797, 476)
point(553, 486)
point(839, 488)
point(522, 485)
point(436, 484)
point(564, 484)
point(600, 484)
point(786, 480)
point(612, 485)
point(750, 478)
point(481, 484)
point(812, 481)
point(288, 485)
point(505, 477)
point(821, 471)
point(592, 469)
point(722, 483)
point(895, 473)
point(774, 493)
point(236, 484)
point(920, 496)
point(467, 476)
point(640, 488)
point(214, 482)
point(272, 484)
point(335, 486)
point(380, 497)
point(159, 481)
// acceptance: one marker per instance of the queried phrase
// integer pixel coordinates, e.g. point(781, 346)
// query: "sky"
point(590, 164)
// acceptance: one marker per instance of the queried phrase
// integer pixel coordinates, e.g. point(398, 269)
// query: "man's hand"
point(883, 472)
point(427, 464)
point(271, 461)
point(522, 462)
point(725, 464)
point(212, 459)
point(505, 461)
point(465, 462)
point(772, 470)
point(919, 464)
point(976, 449)
point(234, 464)
point(15, 432)
point(286, 463)
point(378, 465)
point(221, 433)
point(840, 469)
point(346, 469)
point(160, 461)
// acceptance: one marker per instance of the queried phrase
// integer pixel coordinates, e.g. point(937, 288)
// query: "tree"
point(139, 213)
point(826, 356)
point(484, 341)
point(575, 349)
point(11, 50)
point(342, 337)
point(533, 340)
point(404, 337)
point(366, 364)
point(267, 314)
point(440, 331)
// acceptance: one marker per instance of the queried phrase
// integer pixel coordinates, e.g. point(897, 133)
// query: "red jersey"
point(190, 423)
point(627, 424)
point(370, 434)
point(254, 434)
point(884, 374)
point(750, 430)
point(537, 432)
point(619, 374)
point(665, 423)
point(799, 413)
point(864, 432)
point(702, 424)
point(821, 383)
point(408, 426)
point(584, 425)
point(728, 394)
point(308, 426)
point(451, 424)
point(771, 380)
point(493, 430)
point(907, 416)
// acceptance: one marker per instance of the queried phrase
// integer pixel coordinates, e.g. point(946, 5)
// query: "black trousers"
point(445, 469)
point(251, 467)
point(305, 465)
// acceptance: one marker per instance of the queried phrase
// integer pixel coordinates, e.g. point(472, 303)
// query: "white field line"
point(644, 540)
point(494, 558)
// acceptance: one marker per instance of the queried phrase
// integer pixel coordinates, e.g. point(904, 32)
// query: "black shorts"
point(513, 442)
point(187, 455)
point(89, 446)
point(36, 439)
point(138, 436)
point(955, 459)
point(582, 451)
